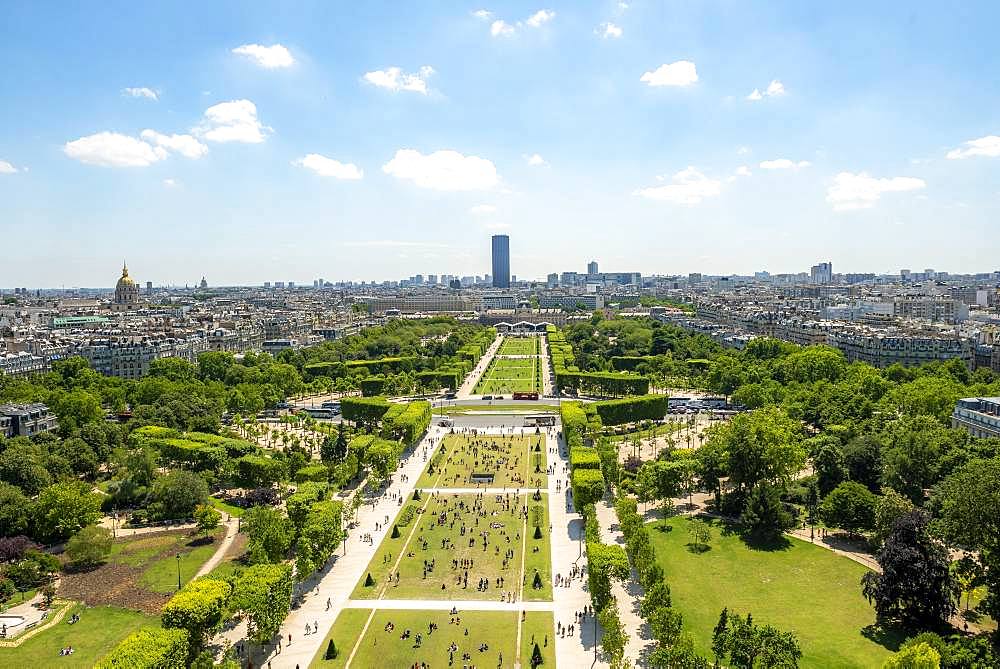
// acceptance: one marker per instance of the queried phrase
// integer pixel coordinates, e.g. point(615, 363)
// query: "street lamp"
point(178, 571)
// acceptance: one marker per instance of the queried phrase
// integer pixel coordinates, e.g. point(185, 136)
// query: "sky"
point(250, 142)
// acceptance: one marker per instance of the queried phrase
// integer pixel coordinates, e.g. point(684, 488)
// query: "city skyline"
point(352, 143)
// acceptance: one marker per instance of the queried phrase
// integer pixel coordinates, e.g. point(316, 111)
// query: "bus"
point(320, 413)
point(545, 420)
point(525, 396)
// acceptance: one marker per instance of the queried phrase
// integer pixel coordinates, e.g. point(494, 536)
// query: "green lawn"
point(381, 648)
point(421, 540)
point(97, 632)
point(508, 375)
point(161, 575)
point(803, 588)
point(233, 511)
point(526, 407)
point(512, 460)
point(515, 346)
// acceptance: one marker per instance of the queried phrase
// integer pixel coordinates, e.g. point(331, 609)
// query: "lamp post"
point(178, 571)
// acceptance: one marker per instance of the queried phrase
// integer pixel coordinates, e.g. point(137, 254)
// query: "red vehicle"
point(525, 396)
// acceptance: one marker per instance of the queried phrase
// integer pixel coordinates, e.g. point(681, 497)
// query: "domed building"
point(126, 293)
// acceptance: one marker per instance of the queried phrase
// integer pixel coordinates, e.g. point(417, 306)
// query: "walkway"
point(231, 526)
point(337, 580)
point(567, 550)
point(628, 595)
point(472, 378)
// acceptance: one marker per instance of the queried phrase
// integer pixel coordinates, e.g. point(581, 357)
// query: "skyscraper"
point(501, 261)
point(592, 267)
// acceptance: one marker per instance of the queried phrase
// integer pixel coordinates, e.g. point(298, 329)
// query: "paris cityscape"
point(638, 335)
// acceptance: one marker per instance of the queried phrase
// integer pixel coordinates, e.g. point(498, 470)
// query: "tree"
point(666, 623)
point(177, 494)
point(828, 461)
point(207, 518)
point(752, 646)
point(263, 594)
point(765, 518)
point(269, 534)
point(719, 636)
point(968, 505)
point(916, 585)
point(680, 655)
point(197, 608)
point(917, 656)
point(65, 508)
point(15, 510)
point(912, 456)
point(89, 547)
point(149, 647)
point(761, 447)
point(700, 532)
point(889, 508)
point(850, 506)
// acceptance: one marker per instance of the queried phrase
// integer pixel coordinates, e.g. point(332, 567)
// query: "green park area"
point(98, 630)
point(520, 346)
point(464, 547)
point(800, 588)
point(510, 375)
point(470, 638)
point(470, 461)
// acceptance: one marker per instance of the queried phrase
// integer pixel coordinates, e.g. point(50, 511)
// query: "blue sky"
point(287, 141)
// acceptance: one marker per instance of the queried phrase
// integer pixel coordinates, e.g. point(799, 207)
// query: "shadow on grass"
point(888, 635)
point(201, 541)
point(698, 549)
point(768, 543)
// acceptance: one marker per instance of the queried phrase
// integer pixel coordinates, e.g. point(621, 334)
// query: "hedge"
point(582, 457)
point(300, 502)
point(615, 384)
point(318, 473)
point(198, 608)
point(440, 378)
point(372, 386)
point(149, 648)
point(628, 363)
point(588, 486)
point(256, 471)
point(382, 365)
point(407, 421)
point(632, 409)
point(365, 411)
point(263, 593)
point(150, 432)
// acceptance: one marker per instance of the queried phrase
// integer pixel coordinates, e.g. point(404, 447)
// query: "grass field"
point(520, 346)
point(161, 575)
point(435, 538)
point(382, 648)
point(98, 631)
point(512, 460)
point(803, 588)
point(509, 375)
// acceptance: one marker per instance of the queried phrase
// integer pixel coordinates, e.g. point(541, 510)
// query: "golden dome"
point(125, 279)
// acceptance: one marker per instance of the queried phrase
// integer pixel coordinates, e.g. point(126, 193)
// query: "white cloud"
point(501, 28)
point(395, 243)
point(689, 188)
point(141, 92)
point(988, 146)
point(622, 6)
point(783, 164)
point(394, 79)
point(328, 167)
point(496, 225)
point(7, 168)
point(443, 170)
point(269, 57)
point(743, 171)
point(186, 145)
point(540, 17)
point(170, 183)
point(482, 210)
point(609, 30)
point(234, 121)
point(681, 73)
point(774, 89)
point(743, 150)
point(482, 14)
point(112, 149)
point(535, 160)
point(861, 191)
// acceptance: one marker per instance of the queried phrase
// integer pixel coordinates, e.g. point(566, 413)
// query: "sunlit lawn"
point(97, 632)
point(521, 461)
point(803, 588)
point(381, 648)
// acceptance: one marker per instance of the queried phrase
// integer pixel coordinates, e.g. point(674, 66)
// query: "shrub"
point(89, 547)
point(198, 609)
point(150, 648)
